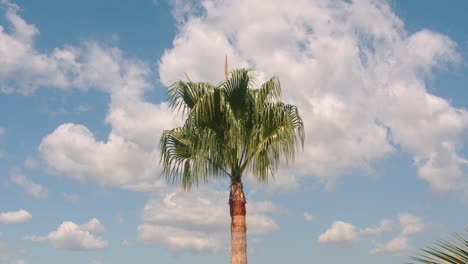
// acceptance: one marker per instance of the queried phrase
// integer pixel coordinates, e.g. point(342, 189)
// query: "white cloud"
point(130, 150)
point(15, 217)
point(31, 188)
point(71, 197)
point(345, 234)
point(394, 246)
point(356, 74)
point(2, 132)
point(93, 226)
point(385, 225)
point(366, 89)
point(136, 124)
point(199, 220)
point(23, 69)
point(340, 233)
point(308, 216)
point(410, 224)
point(70, 236)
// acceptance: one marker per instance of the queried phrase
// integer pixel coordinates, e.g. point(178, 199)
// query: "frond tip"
point(447, 251)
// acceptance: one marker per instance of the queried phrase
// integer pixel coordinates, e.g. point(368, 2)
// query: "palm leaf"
point(448, 251)
point(229, 129)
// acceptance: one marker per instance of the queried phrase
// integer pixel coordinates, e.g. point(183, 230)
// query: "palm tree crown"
point(229, 129)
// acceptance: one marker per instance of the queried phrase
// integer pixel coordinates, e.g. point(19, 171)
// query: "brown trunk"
point(238, 225)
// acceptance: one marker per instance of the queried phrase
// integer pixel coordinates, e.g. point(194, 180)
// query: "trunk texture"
point(238, 225)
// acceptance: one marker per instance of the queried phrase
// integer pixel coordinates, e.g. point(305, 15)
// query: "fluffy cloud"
point(93, 226)
point(23, 69)
point(31, 188)
point(356, 74)
point(345, 234)
point(365, 97)
point(70, 236)
point(129, 157)
point(410, 224)
point(15, 217)
point(72, 150)
point(384, 226)
point(340, 233)
point(396, 245)
point(199, 221)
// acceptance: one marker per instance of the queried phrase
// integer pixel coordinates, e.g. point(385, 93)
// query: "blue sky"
point(381, 86)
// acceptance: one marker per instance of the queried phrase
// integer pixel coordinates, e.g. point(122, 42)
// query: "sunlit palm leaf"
point(448, 251)
point(229, 129)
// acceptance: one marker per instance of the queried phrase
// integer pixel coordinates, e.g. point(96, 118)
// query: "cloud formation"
point(73, 237)
point(199, 221)
point(410, 224)
point(340, 233)
point(15, 217)
point(31, 188)
point(345, 234)
point(394, 246)
point(128, 157)
point(357, 75)
point(385, 225)
point(360, 83)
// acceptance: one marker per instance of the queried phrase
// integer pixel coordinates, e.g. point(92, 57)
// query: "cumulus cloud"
point(93, 226)
point(385, 225)
point(411, 224)
point(15, 217)
point(136, 124)
point(340, 233)
point(128, 157)
point(396, 245)
point(31, 188)
point(365, 97)
point(357, 75)
point(199, 221)
point(70, 236)
point(346, 234)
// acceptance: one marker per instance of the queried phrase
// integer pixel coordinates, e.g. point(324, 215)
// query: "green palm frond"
point(230, 128)
point(448, 251)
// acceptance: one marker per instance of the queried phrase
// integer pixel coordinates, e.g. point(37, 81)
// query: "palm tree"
point(448, 251)
point(231, 129)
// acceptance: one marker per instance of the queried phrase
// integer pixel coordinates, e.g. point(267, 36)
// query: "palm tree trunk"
point(238, 224)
